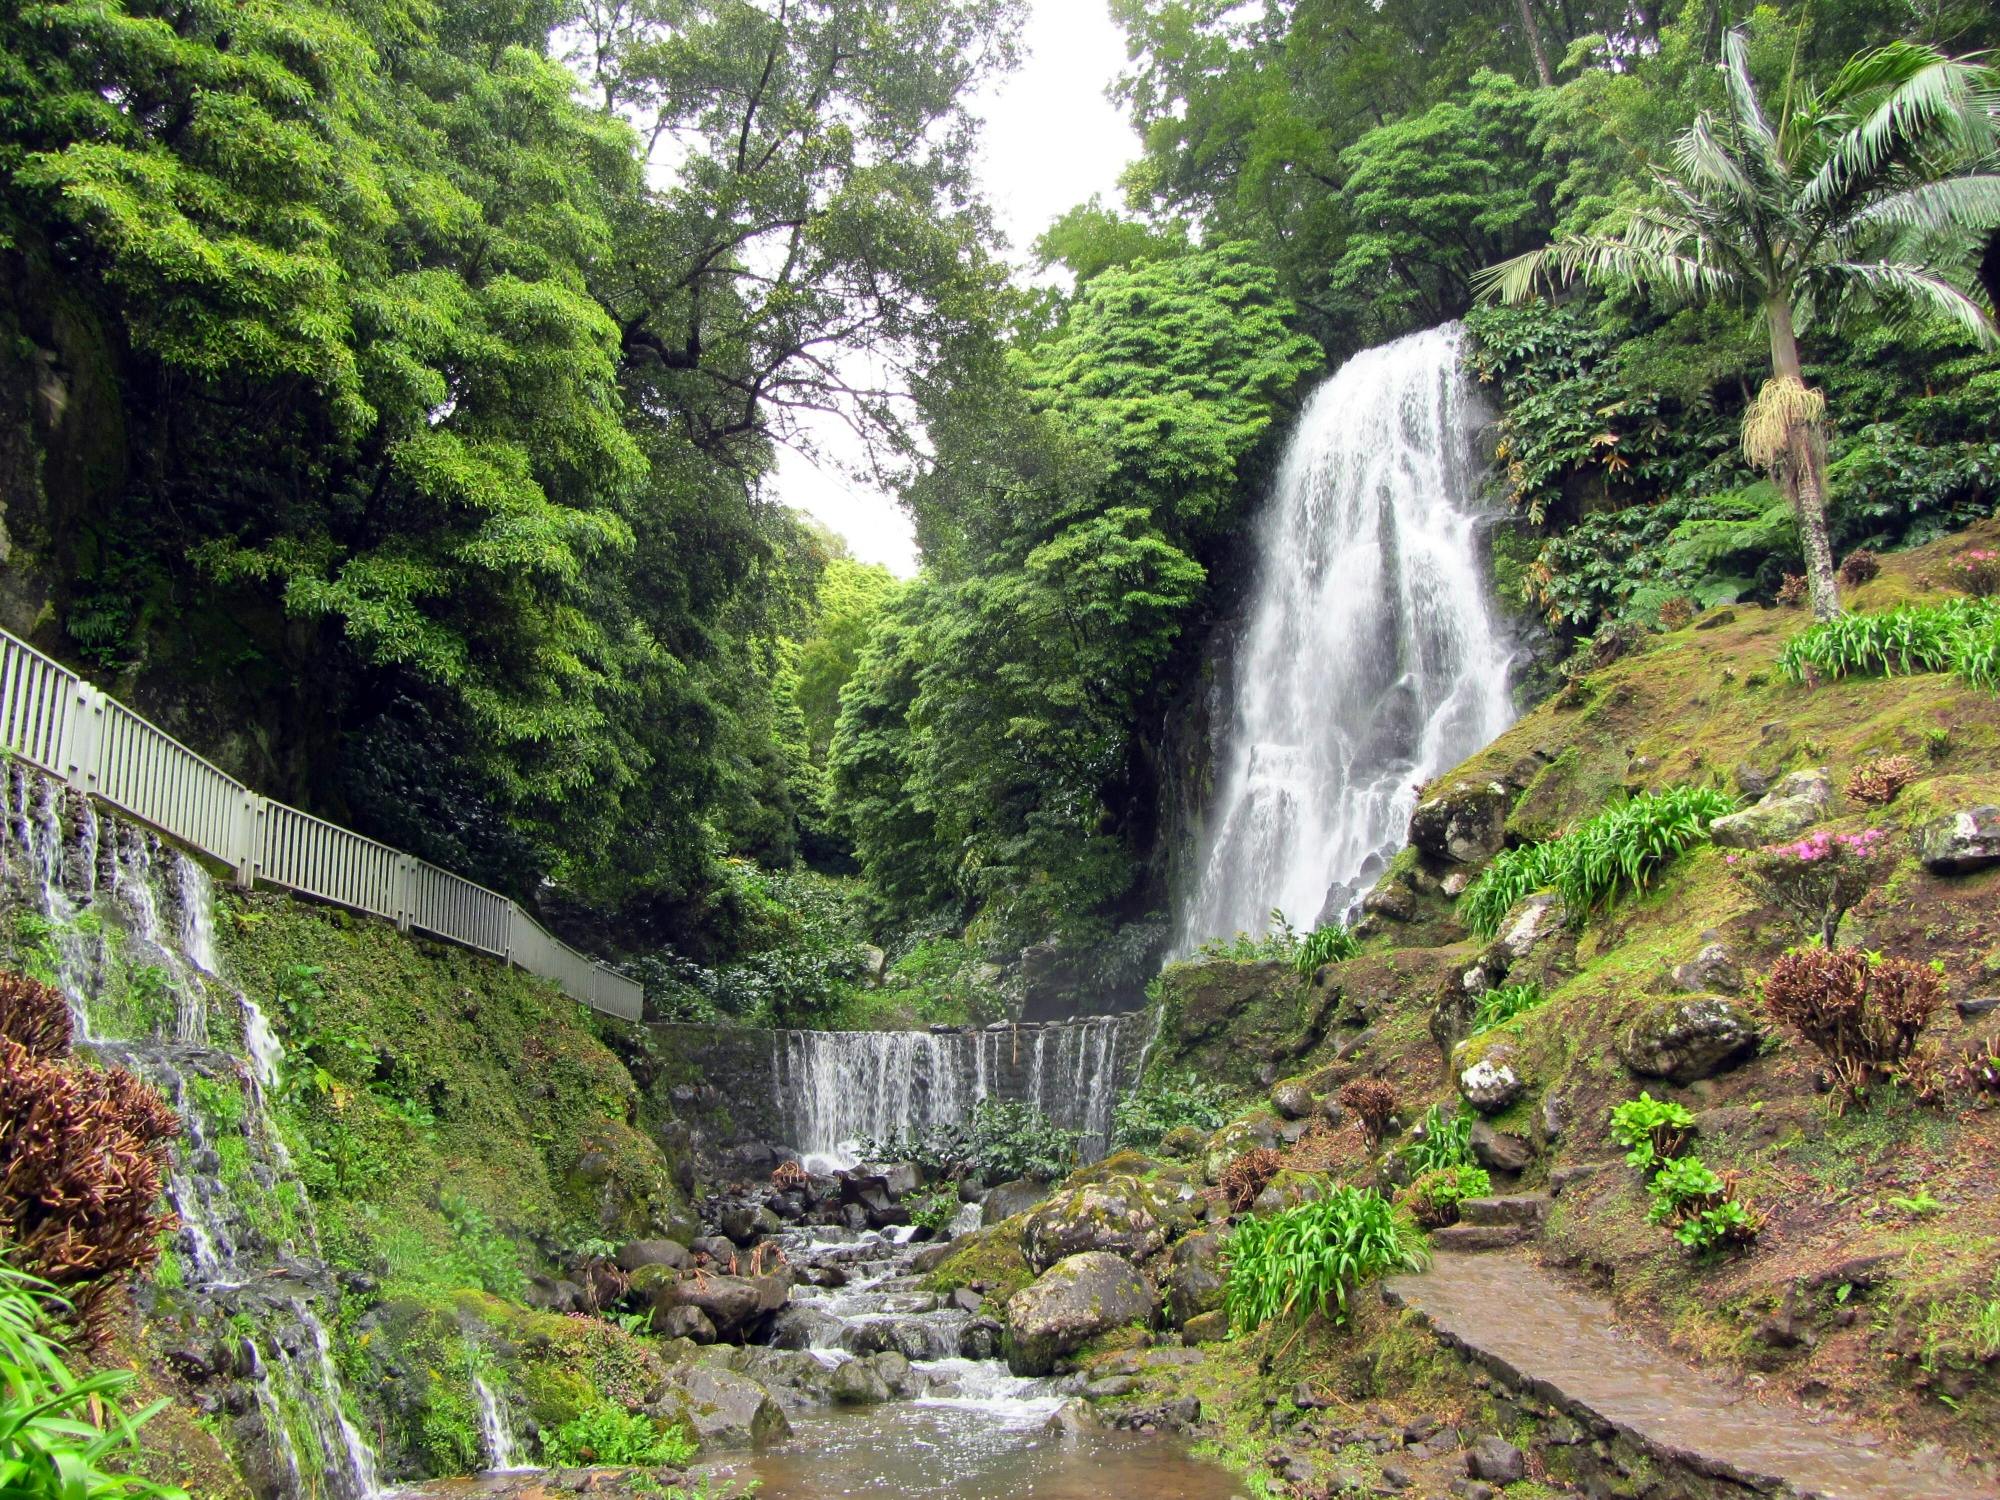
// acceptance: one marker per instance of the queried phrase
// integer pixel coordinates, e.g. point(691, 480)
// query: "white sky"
point(1051, 140)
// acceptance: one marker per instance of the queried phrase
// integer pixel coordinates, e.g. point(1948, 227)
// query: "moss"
point(991, 1260)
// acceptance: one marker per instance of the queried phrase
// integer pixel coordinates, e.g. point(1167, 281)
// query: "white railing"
point(51, 717)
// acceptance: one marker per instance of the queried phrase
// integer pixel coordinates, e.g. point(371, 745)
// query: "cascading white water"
point(843, 1087)
point(496, 1429)
point(1371, 660)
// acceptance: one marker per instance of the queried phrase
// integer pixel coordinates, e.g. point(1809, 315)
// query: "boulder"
point(1072, 1302)
point(1791, 807)
point(1183, 1142)
point(1292, 1100)
point(685, 1322)
point(1289, 1190)
point(730, 1303)
point(1206, 1328)
point(1713, 970)
point(1194, 1279)
point(724, 1409)
point(1235, 1139)
point(1688, 1040)
point(1524, 928)
point(1500, 1150)
point(637, 1253)
point(1121, 1214)
point(858, 1383)
point(1496, 1461)
point(1391, 900)
point(1961, 842)
point(1011, 1198)
point(1466, 824)
point(1488, 1082)
point(898, 1179)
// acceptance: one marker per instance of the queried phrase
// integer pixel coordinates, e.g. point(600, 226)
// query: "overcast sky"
point(1051, 140)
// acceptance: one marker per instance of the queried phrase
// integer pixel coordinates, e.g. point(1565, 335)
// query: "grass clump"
point(1311, 1259)
point(609, 1436)
point(1440, 1142)
point(1499, 1006)
point(1619, 850)
point(1331, 944)
point(1960, 635)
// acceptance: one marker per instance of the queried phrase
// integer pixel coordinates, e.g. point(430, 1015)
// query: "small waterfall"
point(840, 1088)
point(1371, 661)
point(124, 926)
point(496, 1428)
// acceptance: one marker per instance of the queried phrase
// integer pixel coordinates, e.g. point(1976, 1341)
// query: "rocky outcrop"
point(723, 1409)
point(1689, 1040)
point(1466, 824)
point(1788, 809)
point(1073, 1302)
point(1122, 1215)
point(1961, 842)
point(1194, 1279)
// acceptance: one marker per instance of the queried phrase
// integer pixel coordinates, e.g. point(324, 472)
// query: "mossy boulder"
point(723, 1409)
point(1687, 1040)
point(1960, 842)
point(1465, 824)
point(1238, 1137)
point(1194, 1282)
point(733, 1305)
point(1488, 1078)
point(1288, 1190)
point(1791, 807)
point(1072, 1302)
point(1124, 1215)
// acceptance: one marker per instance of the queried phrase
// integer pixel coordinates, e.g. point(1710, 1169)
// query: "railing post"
point(406, 891)
point(83, 735)
point(249, 840)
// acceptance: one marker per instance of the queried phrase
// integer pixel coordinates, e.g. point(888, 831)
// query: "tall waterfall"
point(843, 1087)
point(1371, 661)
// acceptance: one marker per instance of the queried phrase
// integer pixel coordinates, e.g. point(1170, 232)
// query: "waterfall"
point(123, 925)
point(496, 1428)
point(840, 1088)
point(1370, 660)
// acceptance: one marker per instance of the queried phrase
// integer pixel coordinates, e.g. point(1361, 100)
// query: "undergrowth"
point(1312, 1258)
point(1955, 635)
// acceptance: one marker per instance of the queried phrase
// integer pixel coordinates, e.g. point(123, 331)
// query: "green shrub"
point(1331, 944)
point(1440, 1142)
point(1689, 1196)
point(934, 1210)
point(611, 1436)
point(1620, 849)
point(1312, 1258)
point(59, 1431)
point(999, 1142)
point(1949, 635)
point(1652, 1130)
point(1281, 943)
point(1433, 1197)
point(1141, 1120)
point(1499, 1006)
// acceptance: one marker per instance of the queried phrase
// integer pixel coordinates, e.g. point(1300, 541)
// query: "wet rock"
point(966, 1300)
point(1194, 1279)
point(898, 1179)
point(731, 1303)
point(724, 1409)
point(931, 1257)
point(716, 1247)
point(1011, 1198)
point(1072, 1417)
point(1122, 1214)
point(1500, 1150)
point(1489, 1083)
point(1465, 825)
point(1960, 842)
point(1688, 1040)
point(1183, 1142)
point(857, 1383)
point(1292, 1101)
point(1791, 807)
point(1072, 1302)
point(1714, 970)
point(637, 1253)
point(1524, 928)
point(980, 1339)
point(802, 1326)
point(684, 1322)
point(1497, 1461)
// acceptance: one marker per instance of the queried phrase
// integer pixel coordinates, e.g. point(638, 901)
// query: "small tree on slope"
point(1876, 189)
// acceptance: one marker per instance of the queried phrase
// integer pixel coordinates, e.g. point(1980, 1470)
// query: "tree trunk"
point(1534, 32)
point(1802, 472)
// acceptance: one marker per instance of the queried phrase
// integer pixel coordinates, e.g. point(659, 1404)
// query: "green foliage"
point(1433, 1196)
point(1439, 1143)
point(1688, 1195)
point(62, 1436)
point(1330, 944)
point(1618, 850)
point(1953, 634)
point(935, 1210)
point(1278, 943)
point(610, 1436)
point(1314, 1258)
point(1653, 1131)
point(1142, 1118)
point(1499, 1006)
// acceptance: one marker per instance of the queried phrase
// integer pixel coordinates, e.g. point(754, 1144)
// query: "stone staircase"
point(1493, 1224)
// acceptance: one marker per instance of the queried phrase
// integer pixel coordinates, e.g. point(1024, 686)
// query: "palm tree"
point(1874, 190)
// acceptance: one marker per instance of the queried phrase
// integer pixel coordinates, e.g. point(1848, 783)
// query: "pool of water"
point(965, 1450)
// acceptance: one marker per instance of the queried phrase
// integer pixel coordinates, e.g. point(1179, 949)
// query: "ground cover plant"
point(1440, 1141)
point(1142, 1118)
point(1313, 1258)
point(1941, 637)
point(1619, 850)
point(1433, 1197)
point(1502, 1004)
point(1863, 1012)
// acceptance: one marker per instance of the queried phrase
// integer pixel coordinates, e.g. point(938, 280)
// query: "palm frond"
point(1920, 288)
point(1963, 203)
point(1940, 105)
point(1521, 279)
point(1705, 160)
point(1746, 112)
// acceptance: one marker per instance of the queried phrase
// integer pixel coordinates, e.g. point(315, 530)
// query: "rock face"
point(1122, 1214)
point(1011, 1198)
point(1688, 1040)
point(1789, 808)
point(1463, 825)
point(1074, 1301)
point(1711, 971)
point(1961, 842)
point(724, 1409)
point(1292, 1101)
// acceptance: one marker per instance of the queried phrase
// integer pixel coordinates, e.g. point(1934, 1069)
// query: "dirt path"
point(1564, 1346)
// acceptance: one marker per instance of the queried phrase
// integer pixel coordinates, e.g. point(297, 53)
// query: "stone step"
point(1467, 1239)
point(1520, 1208)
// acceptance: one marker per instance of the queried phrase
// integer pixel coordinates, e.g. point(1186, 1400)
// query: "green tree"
point(1867, 190)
